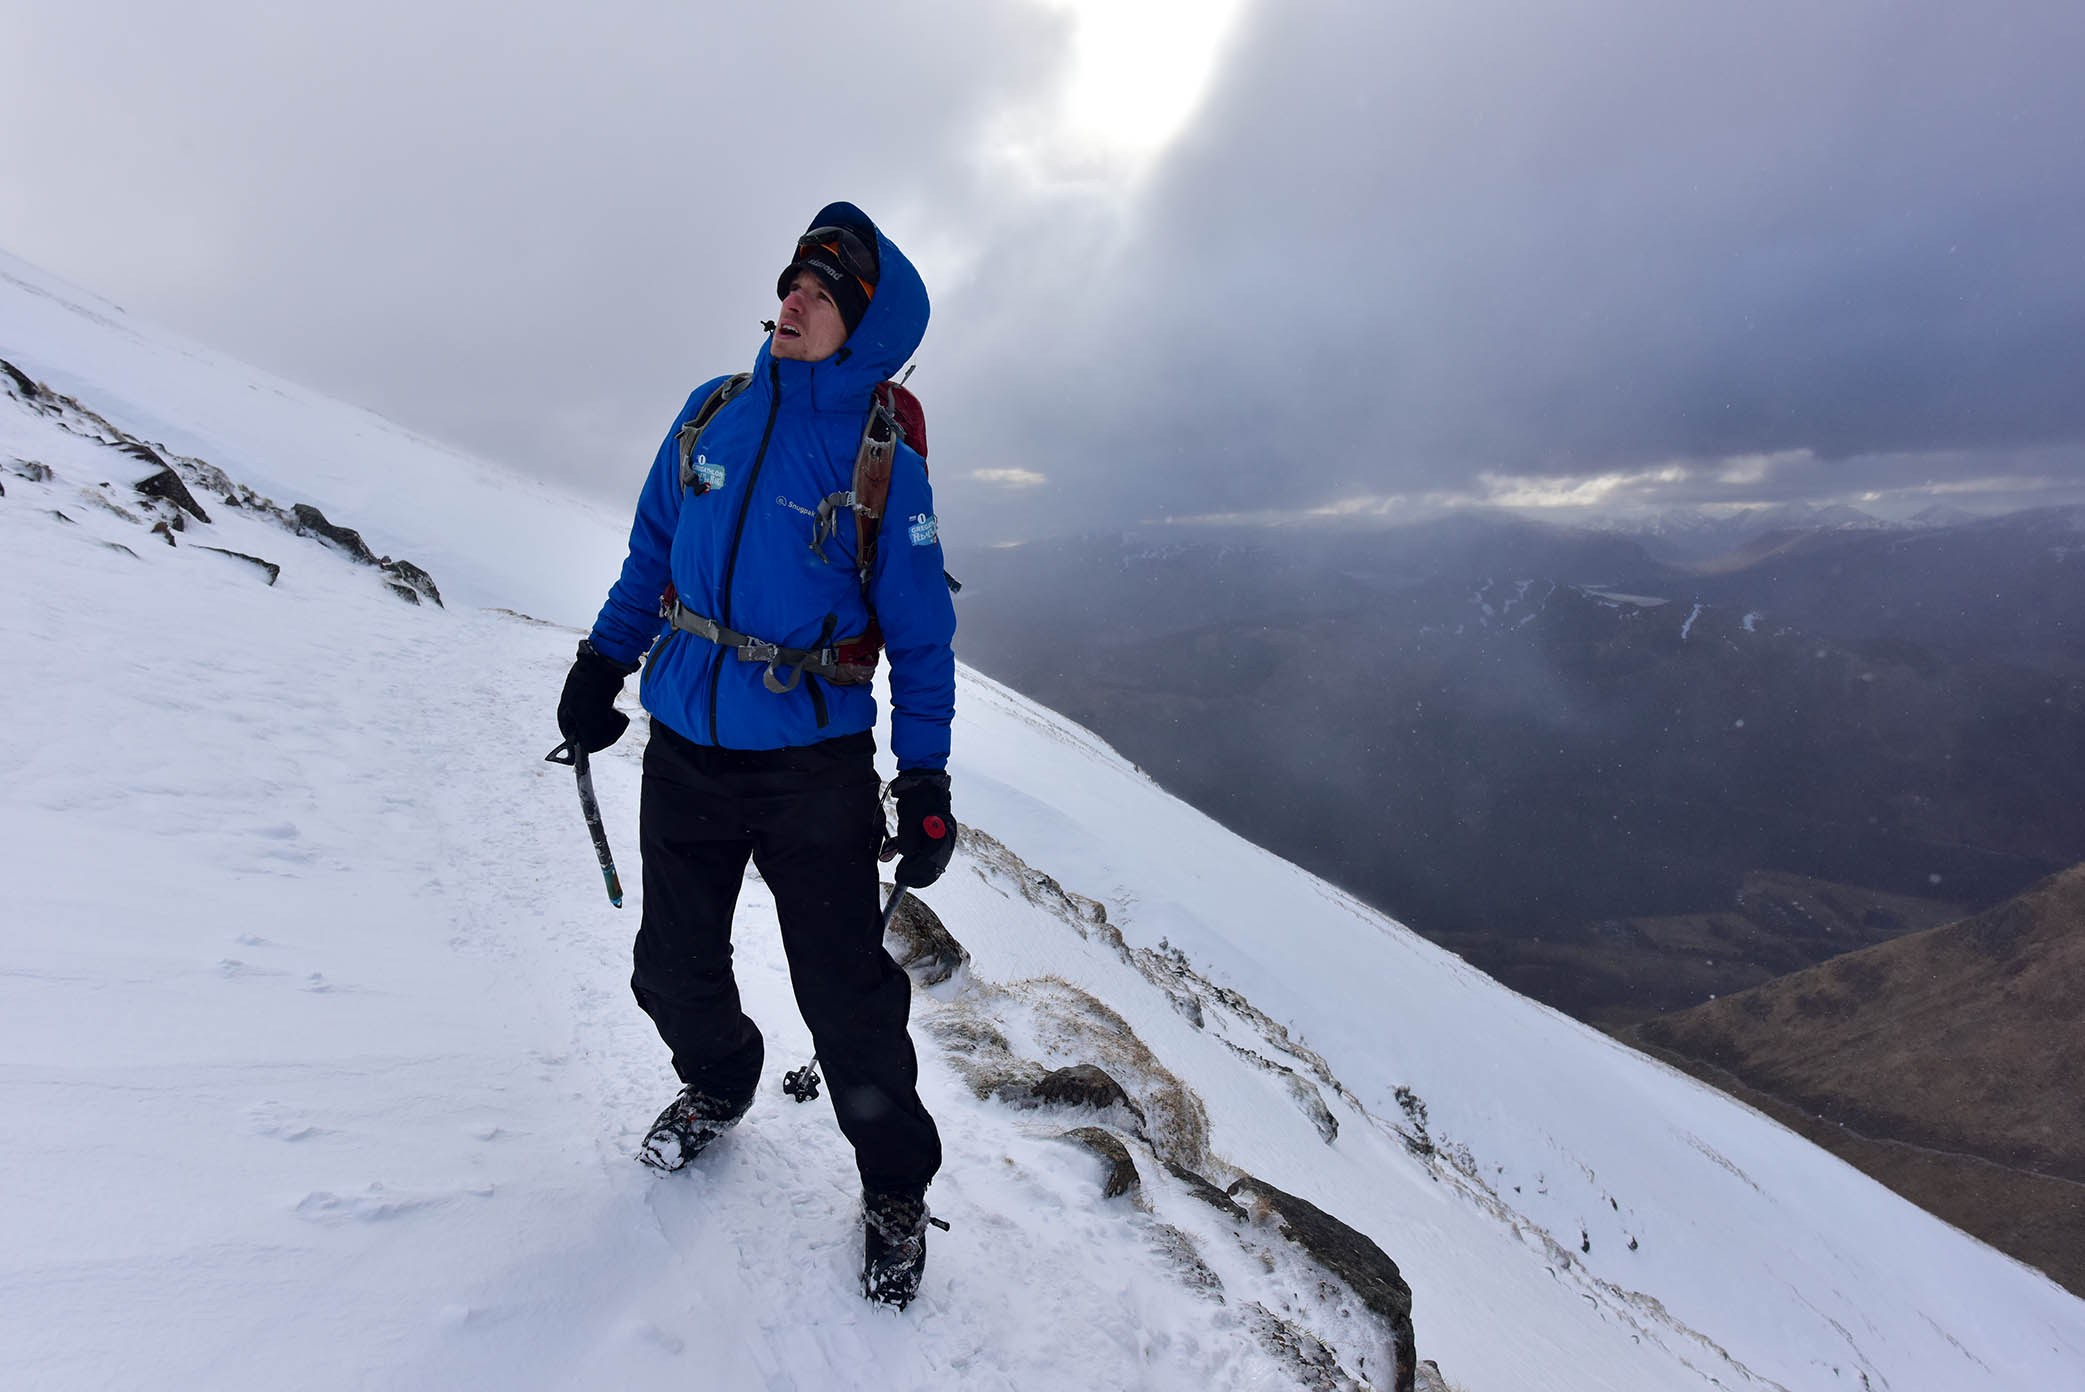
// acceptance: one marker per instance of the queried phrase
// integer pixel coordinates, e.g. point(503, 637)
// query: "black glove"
point(586, 713)
point(926, 832)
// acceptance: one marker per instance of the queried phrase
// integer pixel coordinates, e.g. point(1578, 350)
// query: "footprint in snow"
point(280, 1123)
point(231, 968)
point(376, 1205)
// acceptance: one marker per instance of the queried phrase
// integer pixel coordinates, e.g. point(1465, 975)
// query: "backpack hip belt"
point(822, 661)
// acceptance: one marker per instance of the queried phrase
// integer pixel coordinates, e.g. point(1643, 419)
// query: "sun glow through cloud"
point(1138, 69)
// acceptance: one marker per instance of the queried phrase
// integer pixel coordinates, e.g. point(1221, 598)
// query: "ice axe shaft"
point(590, 808)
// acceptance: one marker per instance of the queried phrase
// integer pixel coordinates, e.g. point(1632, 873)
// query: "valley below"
point(1714, 809)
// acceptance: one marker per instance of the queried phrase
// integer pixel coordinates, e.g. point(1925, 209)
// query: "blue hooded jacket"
point(740, 553)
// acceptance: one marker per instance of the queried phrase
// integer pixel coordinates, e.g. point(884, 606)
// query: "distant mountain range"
point(1688, 535)
point(1516, 737)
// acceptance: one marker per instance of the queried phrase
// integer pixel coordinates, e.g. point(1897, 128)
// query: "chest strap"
point(822, 661)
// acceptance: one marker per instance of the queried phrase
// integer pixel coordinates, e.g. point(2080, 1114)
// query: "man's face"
point(809, 327)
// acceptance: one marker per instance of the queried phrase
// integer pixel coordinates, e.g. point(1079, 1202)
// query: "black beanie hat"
point(846, 263)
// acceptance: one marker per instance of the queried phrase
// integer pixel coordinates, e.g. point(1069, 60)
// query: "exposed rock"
point(1186, 1006)
point(63, 518)
point(273, 569)
point(1350, 1256)
point(922, 944)
point(119, 546)
point(1311, 1365)
point(166, 533)
point(1163, 1112)
point(1414, 1106)
point(173, 477)
point(970, 1035)
point(1179, 1249)
point(167, 484)
point(1083, 1085)
point(1208, 1193)
point(1167, 1113)
point(1037, 888)
point(1167, 968)
point(412, 577)
point(409, 582)
point(1122, 1176)
point(312, 522)
point(1429, 1378)
point(1080, 1085)
point(1301, 1091)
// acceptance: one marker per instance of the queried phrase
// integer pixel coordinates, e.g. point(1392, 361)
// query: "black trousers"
point(809, 818)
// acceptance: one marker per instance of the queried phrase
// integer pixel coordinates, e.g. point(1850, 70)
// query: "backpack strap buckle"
point(828, 519)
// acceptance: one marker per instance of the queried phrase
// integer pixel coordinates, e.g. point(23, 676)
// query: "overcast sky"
point(1259, 261)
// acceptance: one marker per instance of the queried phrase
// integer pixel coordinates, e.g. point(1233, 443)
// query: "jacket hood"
point(887, 336)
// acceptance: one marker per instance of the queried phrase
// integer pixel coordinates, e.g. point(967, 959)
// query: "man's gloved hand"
point(926, 832)
point(586, 713)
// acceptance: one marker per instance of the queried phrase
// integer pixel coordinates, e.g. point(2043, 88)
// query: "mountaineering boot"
point(894, 1245)
point(687, 1126)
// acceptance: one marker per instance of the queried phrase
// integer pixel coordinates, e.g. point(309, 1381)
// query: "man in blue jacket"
point(740, 597)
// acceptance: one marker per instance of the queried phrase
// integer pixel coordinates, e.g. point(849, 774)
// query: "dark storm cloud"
point(1405, 256)
point(1408, 244)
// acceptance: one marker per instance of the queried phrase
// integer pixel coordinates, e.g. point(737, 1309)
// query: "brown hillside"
point(1949, 1064)
point(1617, 971)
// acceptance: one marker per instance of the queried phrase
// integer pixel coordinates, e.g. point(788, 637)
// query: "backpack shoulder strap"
point(691, 430)
point(894, 419)
point(869, 489)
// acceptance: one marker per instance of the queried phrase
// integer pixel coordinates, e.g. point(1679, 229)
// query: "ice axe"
point(590, 807)
point(802, 1083)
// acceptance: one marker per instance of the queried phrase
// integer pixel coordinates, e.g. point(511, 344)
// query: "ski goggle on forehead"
point(855, 256)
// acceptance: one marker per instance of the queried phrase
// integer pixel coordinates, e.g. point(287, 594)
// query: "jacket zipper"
point(738, 532)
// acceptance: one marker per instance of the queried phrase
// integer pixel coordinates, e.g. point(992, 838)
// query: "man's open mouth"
point(788, 331)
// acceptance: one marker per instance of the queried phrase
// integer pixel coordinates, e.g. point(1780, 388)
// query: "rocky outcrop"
point(407, 580)
point(1312, 1365)
point(1350, 1256)
point(921, 943)
point(1208, 1193)
point(1121, 1176)
point(273, 570)
point(1082, 1085)
point(166, 484)
point(1330, 1281)
point(1155, 1108)
point(1202, 1002)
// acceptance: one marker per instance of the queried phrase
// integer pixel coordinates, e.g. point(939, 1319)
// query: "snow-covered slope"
point(490, 535)
point(321, 1070)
